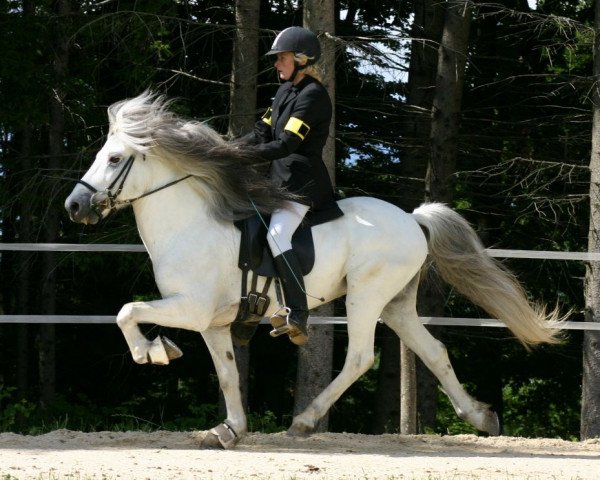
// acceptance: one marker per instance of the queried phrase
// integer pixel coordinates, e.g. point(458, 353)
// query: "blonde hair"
point(313, 70)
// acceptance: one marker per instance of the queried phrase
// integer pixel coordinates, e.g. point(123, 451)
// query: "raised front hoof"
point(162, 351)
point(172, 350)
point(300, 429)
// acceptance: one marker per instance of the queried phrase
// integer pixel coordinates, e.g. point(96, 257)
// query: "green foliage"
point(264, 422)
point(13, 411)
point(132, 414)
point(448, 422)
point(523, 416)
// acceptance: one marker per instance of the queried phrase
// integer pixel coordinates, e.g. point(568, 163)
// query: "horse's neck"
point(176, 216)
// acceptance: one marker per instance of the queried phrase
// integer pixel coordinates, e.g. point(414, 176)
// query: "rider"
point(292, 134)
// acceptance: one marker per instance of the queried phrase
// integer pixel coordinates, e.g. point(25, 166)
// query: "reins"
point(110, 200)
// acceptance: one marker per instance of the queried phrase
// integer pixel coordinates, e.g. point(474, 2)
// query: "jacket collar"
point(303, 83)
point(294, 90)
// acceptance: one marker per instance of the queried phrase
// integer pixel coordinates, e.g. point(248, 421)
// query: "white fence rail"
point(108, 319)
point(444, 321)
point(112, 247)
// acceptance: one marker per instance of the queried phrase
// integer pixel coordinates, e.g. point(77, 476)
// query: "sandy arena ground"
point(65, 454)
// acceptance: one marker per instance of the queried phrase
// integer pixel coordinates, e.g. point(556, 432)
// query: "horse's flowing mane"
point(227, 175)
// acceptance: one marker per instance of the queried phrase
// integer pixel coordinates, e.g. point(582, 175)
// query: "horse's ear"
point(110, 111)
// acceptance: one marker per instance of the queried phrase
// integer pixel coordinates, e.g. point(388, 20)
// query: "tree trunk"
point(439, 181)
point(242, 107)
point(23, 280)
point(56, 135)
point(445, 114)
point(242, 93)
point(426, 33)
point(315, 359)
point(590, 401)
point(314, 366)
point(408, 392)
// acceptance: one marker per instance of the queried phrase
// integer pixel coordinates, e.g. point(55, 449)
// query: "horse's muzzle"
point(78, 206)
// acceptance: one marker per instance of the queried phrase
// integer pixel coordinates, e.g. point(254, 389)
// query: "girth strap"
point(253, 304)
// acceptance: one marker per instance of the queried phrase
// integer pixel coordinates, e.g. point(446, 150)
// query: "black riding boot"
point(292, 282)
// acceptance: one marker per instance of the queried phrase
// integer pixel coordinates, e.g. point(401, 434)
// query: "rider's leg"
point(284, 223)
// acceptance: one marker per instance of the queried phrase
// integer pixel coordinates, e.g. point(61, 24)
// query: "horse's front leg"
point(168, 312)
point(220, 346)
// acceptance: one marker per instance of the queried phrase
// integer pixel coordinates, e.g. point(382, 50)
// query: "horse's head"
point(108, 185)
point(144, 127)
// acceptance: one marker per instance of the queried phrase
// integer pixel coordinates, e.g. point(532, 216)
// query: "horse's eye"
point(114, 159)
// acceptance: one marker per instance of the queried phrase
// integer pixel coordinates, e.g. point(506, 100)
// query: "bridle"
point(107, 199)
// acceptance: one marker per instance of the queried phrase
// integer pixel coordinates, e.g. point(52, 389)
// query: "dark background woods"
point(521, 177)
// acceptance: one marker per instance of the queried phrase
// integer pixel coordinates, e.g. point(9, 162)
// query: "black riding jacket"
point(292, 134)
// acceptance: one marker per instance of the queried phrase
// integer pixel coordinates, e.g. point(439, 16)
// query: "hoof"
point(157, 355)
point(491, 424)
point(172, 350)
point(162, 351)
point(300, 430)
point(225, 436)
point(211, 441)
point(139, 358)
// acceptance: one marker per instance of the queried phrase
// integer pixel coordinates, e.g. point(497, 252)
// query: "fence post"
point(408, 391)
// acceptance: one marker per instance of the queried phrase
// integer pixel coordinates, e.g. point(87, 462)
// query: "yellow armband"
point(297, 126)
point(267, 117)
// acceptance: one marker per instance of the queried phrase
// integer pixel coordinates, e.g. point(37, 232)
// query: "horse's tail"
point(462, 261)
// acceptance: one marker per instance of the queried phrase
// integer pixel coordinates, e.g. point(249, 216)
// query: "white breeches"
point(284, 222)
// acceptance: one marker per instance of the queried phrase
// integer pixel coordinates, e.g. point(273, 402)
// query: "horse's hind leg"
point(359, 358)
point(401, 316)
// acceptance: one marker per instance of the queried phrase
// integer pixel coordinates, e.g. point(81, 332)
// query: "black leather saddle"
point(256, 255)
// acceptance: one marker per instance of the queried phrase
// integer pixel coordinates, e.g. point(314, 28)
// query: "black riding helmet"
point(297, 40)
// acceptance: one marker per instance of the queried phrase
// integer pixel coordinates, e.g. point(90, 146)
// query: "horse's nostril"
point(74, 207)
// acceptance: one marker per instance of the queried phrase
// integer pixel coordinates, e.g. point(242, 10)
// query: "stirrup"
point(280, 323)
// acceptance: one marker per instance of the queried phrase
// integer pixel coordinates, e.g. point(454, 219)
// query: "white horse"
point(184, 183)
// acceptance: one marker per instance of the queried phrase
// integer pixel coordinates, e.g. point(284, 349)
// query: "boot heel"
point(297, 337)
point(294, 321)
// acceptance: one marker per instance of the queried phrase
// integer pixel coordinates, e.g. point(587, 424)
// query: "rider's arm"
point(310, 109)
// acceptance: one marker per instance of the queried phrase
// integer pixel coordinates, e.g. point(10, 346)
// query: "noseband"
point(107, 199)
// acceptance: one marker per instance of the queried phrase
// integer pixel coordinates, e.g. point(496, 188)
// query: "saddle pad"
point(255, 253)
